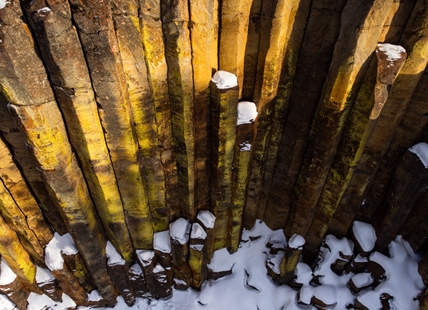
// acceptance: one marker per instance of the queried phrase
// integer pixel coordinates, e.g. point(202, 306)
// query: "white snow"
point(179, 230)
point(362, 279)
point(58, 245)
point(3, 3)
point(303, 273)
point(245, 147)
point(162, 242)
point(197, 247)
point(114, 258)
point(277, 236)
point(222, 260)
point(198, 232)
point(249, 287)
point(94, 296)
point(145, 256)
point(393, 51)
point(206, 218)
point(421, 150)
point(7, 276)
point(158, 268)
point(39, 302)
point(296, 242)
point(44, 10)
point(365, 235)
point(43, 275)
point(225, 79)
point(6, 304)
point(247, 112)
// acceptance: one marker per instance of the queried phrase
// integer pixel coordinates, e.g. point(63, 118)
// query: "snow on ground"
point(249, 287)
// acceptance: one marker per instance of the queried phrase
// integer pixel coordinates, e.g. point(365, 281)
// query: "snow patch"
point(222, 260)
point(296, 242)
point(162, 242)
point(394, 52)
point(3, 3)
point(43, 275)
point(198, 232)
point(44, 10)
point(94, 296)
point(224, 79)
point(421, 150)
point(7, 276)
point(114, 258)
point(145, 256)
point(37, 302)
point(247, 112)
point(57, 246)
point(245, 147)
point(179, 230)
point(206, 218)
point(365, 235)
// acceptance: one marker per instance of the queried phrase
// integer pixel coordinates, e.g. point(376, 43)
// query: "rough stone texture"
point(233, 34)
point(198, 257)
point(368, 104)
point(223, 132)
point(351, 56)
point(96, 32)
point(69, 285)
point(322, 30)
point(20, 210)
point(279, 21)
point(154, 48)
point(410, 180)
point(120, 277)
point(77, 266)
point(128, 32)
point(414, 40)
point(178, 53)
point(67, 69)
point(408, 133)
point(17, 292)
point(204, 43)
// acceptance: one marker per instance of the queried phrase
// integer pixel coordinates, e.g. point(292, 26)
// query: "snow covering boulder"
point(247, 112)
point(364, 237)
point(224, 79)
point(360, 282)
point(221, 264)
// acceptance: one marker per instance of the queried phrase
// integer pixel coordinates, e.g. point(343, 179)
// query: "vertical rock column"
point(26, 162)
point(63, 55)
point(204, 40)
point(119, 273)
point(274, 28)
point(322, 30)
point(197, 255)
point(224, 98)
point(350, 61)
point(179, 234)
point(369, 102)
point(233, 21)
point(96, 32)
point(35, 110)
point(410, 180)
point(12, 287)
point(129, 34)
point(415, 41)
point(178, 53)
point(246, 114)
point(157, 71)
point(290, 259)
point(19, 209)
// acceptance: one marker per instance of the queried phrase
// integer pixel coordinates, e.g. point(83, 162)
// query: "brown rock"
point(410, 180)
point(334, 105)
point(322, 30)
point(223, 131)
point(137, 282)
point(369, 102)
point(99, 42)
point(175, 26)
point(414, 42)
point(69, 285)
point(147, 262)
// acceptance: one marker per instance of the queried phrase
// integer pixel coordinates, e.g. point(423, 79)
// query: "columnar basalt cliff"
point(113, 130)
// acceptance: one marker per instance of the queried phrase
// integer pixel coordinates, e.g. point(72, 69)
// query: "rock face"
point(112, 129)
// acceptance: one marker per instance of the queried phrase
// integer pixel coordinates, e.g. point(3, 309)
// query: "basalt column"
point(35, 110)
